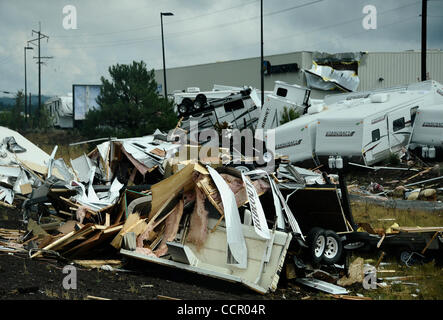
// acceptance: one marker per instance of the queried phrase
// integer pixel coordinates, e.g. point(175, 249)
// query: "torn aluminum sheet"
point(22, 179)
point(210, 260)
point(235, 238)
point(91, 199)
point(322, 285)
point(281, 203)
point(6, 195)
point(13, 146)
point(82, 166)
point(10, 171)
point(309, 176)
point(258, 215)
point(64, 171)
point(51, 161)
point(327, 78)
point(32, 156)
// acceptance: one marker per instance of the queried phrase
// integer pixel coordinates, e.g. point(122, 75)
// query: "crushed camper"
point(134, 198)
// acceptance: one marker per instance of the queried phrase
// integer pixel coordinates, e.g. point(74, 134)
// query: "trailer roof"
point(366, 108)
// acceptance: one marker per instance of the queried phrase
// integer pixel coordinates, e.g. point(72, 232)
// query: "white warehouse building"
point(370, 70)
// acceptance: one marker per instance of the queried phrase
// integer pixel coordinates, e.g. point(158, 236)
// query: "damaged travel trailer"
point(193, 100)
point(428, 127)
point(366, 125)
point(378, 127)
point(60, 110)
point(237, 110)
point(289, 96)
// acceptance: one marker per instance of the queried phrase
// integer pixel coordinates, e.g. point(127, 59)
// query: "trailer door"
point(376, 140)
point(399, 127)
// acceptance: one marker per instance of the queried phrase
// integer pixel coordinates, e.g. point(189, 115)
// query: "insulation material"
point(198, 230)
point(172, 223)
point(80, 213)
point(237, 187)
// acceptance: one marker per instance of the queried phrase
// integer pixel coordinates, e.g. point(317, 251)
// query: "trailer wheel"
point(185, 107)
point(316, 242)
point(200, 101)
point(333, 248)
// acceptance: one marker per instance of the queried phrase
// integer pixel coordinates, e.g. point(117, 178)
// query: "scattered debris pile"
point(138, 199)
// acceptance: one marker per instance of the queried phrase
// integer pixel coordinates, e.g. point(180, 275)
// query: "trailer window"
point(398, 124)
point(375, 135)
point(282, 92)
point(234, 105)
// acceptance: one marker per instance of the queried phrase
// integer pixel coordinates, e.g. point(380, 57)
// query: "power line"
point(143, 27)
point(273, 39)
point(40, 37)
point(187, 32)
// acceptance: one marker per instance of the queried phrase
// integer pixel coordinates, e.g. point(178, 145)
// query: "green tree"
point(129, 104)
point(288, 114)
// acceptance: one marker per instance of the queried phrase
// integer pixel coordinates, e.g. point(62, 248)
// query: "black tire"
point(185, 106)
point(316, 241)
point(404, 255)
point(200, 102)
point(333, 248)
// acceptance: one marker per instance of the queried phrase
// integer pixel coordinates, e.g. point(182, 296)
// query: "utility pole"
point(261, 57)
point(39, 62)
point(30, 105)
point(424, 14)
point(26, 92)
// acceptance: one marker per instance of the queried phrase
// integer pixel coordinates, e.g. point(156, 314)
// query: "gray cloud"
point(201, 31)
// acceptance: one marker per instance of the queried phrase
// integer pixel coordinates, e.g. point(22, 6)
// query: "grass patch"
point(374, 215)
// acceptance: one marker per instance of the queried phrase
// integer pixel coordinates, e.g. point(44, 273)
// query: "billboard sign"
point(84, 99)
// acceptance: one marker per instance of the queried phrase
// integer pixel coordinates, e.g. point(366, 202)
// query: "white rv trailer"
point(237, 110)
point(60, 110)
point(285, 95)
point(376, 128)
point(428, 126)
point(193, 99)
point(296, 139)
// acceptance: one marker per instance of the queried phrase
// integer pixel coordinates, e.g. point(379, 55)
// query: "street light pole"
point(26, 91)
point(163, 49)
point(424, 16)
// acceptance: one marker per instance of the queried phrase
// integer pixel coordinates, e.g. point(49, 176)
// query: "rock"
point(399, 192)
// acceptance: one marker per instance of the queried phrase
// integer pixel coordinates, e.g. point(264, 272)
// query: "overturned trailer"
point(368, 126)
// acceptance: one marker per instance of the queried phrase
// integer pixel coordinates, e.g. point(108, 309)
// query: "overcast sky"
point(201, 31)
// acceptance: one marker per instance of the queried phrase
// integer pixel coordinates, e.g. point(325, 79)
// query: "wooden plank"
point(160, 297)
point(419, 229)
point(36, 229)
point(53, 244)
point(95, 298)
point(418, 174)
point(429, 242)
point(346, 297)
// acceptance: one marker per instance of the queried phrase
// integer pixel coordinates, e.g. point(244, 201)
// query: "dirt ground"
point(23, 278)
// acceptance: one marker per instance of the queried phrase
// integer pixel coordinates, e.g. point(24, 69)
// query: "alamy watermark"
point(69, 17)
point(370, 278)
point(70, 281)
point(227, 146)
point(370, 20)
